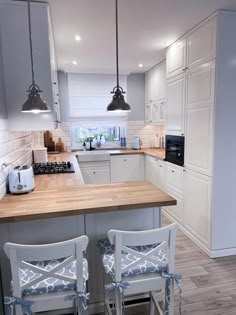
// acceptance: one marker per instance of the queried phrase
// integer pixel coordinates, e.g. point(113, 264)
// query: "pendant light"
point(34, 104)
point(118, 102)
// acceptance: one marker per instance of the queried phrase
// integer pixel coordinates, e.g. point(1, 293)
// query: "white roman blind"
point(89, 94)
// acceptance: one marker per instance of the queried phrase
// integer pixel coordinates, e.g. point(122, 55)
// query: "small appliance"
point(136, 143)
point(175, 150)
point(21, 180)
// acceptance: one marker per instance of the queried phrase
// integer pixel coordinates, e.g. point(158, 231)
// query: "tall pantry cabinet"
point(201, 83)
point(17, 65)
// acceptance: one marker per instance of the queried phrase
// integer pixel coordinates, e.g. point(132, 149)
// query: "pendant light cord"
point(31, 47)
point(117, 51)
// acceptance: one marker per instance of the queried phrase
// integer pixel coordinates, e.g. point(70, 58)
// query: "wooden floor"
point(209, 285)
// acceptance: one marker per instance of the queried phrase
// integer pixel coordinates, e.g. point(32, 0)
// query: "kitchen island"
point(62, 207)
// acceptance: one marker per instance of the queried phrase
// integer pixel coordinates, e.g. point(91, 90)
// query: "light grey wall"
point(3, 110)
point(136, 96)
point(63, 95)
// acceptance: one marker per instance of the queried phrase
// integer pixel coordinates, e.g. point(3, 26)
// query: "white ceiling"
point(146, 27)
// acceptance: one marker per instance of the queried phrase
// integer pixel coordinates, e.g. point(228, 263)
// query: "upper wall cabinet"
point(195, 49)
point(155, 83)
point(17, 66)
point(176, 58)
point(201, 44)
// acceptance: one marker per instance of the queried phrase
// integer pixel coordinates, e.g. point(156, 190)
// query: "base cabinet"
point(127, 168)
point(155, 170)
point(95, 172)
point(197, 207)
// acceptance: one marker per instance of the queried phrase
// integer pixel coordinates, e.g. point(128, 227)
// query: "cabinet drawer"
point(175, 178)
point(96, 176)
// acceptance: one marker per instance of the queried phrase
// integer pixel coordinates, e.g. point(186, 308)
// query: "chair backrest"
point(162, 239)
point(25, 256)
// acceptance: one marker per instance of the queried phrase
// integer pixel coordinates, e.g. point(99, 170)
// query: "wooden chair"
point(48, 277)
point(140, 262)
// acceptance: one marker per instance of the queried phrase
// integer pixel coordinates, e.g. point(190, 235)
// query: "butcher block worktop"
point(59, 195)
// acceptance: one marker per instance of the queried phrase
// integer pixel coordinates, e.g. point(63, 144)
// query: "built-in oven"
point(175, 149)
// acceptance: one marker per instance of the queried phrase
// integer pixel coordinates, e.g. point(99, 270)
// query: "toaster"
point(21, 180)
point(136, 143)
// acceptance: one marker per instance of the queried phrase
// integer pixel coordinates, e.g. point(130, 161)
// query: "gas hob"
point(53, 168)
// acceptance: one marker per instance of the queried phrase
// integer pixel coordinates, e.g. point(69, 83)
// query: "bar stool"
point(48, 277)
point(140, 262)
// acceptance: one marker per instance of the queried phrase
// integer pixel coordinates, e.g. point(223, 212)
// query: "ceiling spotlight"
point(140, 65)
point(74, 62)
point(77, 38)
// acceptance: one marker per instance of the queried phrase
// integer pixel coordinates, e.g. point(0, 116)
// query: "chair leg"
point(171, 306)
point(118, 303)
point(18, 310)
point(152, 306)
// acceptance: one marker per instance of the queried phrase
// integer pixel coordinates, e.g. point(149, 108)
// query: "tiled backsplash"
point(15, 149)
point(149, 134)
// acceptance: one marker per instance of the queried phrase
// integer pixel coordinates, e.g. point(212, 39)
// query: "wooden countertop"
point(58, 195)
point(159, 153)
point(66, 201)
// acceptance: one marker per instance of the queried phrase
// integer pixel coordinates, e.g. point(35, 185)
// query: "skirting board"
point(211, 253)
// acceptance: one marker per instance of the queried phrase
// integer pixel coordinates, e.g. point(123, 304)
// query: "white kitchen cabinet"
point(197, 206)
point(126, 168)
point(176, 59)
point(17, 66)
point(201, 44)
point(176, 212)
point(148, 113)
point(155, 83)
point(175, 105)
point(95, 172)
point(199, 118)
point(174, 178)
point(155, 171)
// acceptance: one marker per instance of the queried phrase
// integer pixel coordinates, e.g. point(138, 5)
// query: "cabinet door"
point(175, 105)
point(155, 108)
point(162, 111)
point(148, 113)
point(199, 117)
point(96, 176)
point(197, 205)
point(152, 170)
point(147, 87)
point(162, 82)
point(127, 168)
point(201, 44)
point(17, 67)
point(176, 58)
point(174, 178)
point(162, 174)
point(177, 211)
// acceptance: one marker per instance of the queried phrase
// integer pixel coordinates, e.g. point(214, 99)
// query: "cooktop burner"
point(53, 168)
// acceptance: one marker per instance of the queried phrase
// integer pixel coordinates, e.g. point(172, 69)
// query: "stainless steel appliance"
point(175, 149)
point(21, 180)
point(53, 168)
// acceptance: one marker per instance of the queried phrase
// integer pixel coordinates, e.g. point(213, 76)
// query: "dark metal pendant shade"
point(34, 103)
point(118, 102)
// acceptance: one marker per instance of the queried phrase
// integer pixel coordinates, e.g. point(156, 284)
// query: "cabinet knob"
point(182, 134)
point(184, 170)
point(124, 160)
point(172, 171)
point(55, 83)
point(55, 103)
point(160, 165)
point(94, 172)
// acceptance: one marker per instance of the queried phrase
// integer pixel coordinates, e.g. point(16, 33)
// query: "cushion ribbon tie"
point(80, 297)
point(120, 286)
point(10, 303)
point(172, 277)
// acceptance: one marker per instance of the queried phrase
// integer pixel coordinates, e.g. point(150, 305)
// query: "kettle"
point(136, 143)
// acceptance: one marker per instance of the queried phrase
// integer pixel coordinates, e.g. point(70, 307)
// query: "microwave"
point(175, 150)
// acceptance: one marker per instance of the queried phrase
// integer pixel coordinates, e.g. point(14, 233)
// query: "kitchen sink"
point(92, 156)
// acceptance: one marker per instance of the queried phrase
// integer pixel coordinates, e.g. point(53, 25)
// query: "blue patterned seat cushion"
point(51, 285)
point(137, 267)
